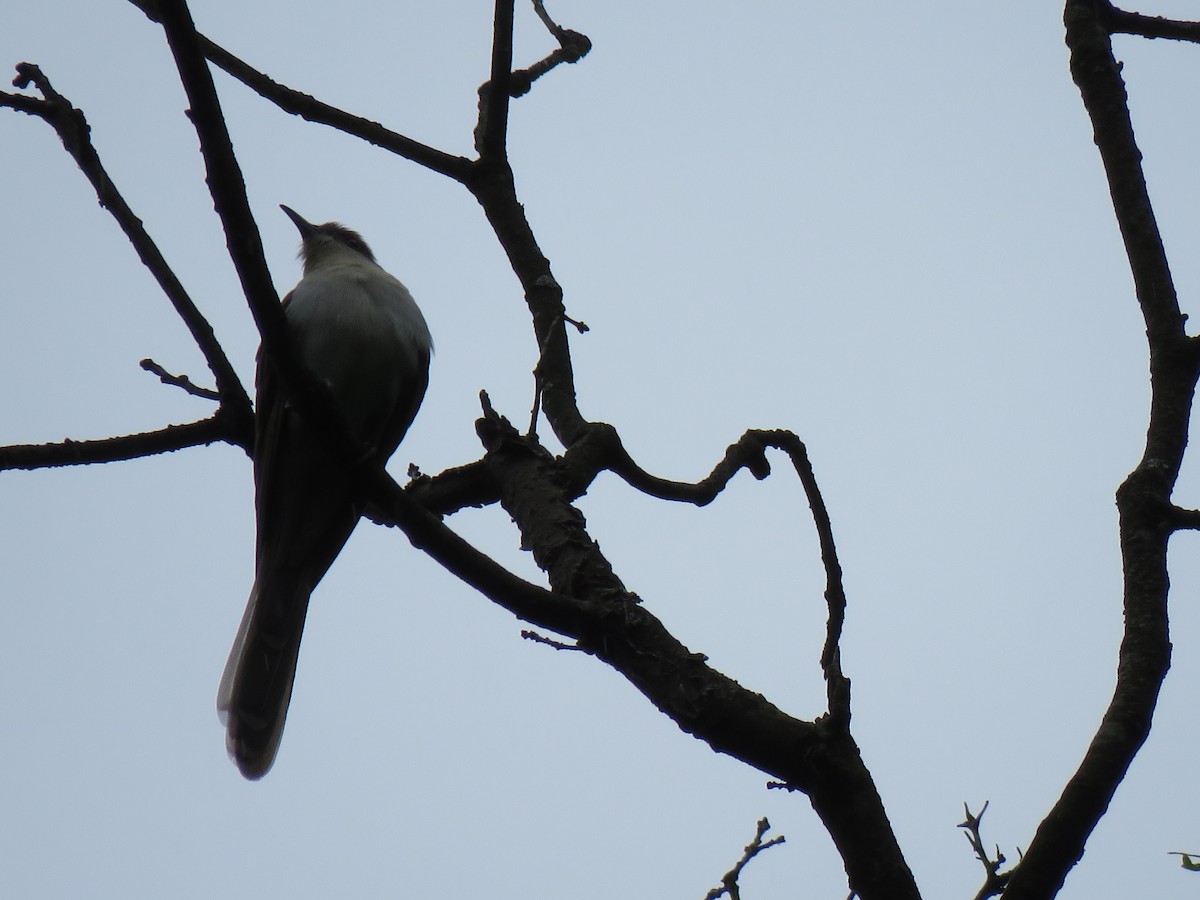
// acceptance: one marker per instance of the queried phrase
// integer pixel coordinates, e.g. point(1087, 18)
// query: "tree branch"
point(572, 47)
point(1185, 519)
point(601, 449)
point(818, 758)
point(1143, 500)
point(994, 880)
point(491, 130)
point(1118, 21)
point(228, 190)
point(313, 110)
point(1098, 76)
point(131, 446)
point(180, 381)
point(224, 175)
point(729, 881)
point(75, 133)
point(587, 602)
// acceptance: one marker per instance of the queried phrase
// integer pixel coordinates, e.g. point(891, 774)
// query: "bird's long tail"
point(256, 686)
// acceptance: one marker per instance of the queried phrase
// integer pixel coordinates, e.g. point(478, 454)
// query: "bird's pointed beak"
point(306, 228)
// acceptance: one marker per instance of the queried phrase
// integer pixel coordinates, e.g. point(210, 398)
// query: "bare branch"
point(550, 642)
point(179, 381)
point(313, 110)
point(994, 880)
point(601, 449)
point(536, 605)
point(1118, 21)
point(491, 130)
point(729, 881)
point(1185, 519)
point(131, 446)
point(572, 47)
point(1143, 500)
point(452, 490)
point(1098, 76)
point(75, 133)
point(224, 175)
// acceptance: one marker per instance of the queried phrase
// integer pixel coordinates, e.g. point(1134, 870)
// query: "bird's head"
point(322, 244)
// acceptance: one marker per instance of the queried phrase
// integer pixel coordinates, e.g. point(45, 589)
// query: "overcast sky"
point(883, 226)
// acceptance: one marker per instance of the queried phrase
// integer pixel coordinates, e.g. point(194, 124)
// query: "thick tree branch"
point(491, 130)
point(818, 758)
point(1143, 500)
point(453, 489)
point(1098, 76)
point(1118, 21)
point(493, 186)
point(557, 612)
point(1185, 519)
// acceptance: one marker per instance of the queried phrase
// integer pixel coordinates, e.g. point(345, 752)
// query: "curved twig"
point(601, 449)
point(572, 47)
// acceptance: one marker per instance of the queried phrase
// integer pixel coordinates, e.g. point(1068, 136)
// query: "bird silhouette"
point(356, 329)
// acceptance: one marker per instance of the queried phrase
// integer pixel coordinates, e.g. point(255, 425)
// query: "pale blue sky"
point(882, 226)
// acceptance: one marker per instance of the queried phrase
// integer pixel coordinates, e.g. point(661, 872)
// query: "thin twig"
point(313, 110)
point(994, 880)
point(179, 381)
point(602, 449)
point(572, 47)
point(550, 642)
point(729, 881)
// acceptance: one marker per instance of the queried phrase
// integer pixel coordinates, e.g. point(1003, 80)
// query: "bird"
point(357, 330)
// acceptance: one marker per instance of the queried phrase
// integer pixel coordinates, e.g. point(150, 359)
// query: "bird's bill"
point(305, 227)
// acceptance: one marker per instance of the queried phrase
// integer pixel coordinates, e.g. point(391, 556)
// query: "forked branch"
point(72, 128)
point(1144, 499)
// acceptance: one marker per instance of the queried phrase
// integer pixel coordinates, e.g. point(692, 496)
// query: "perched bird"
point(357, 329)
